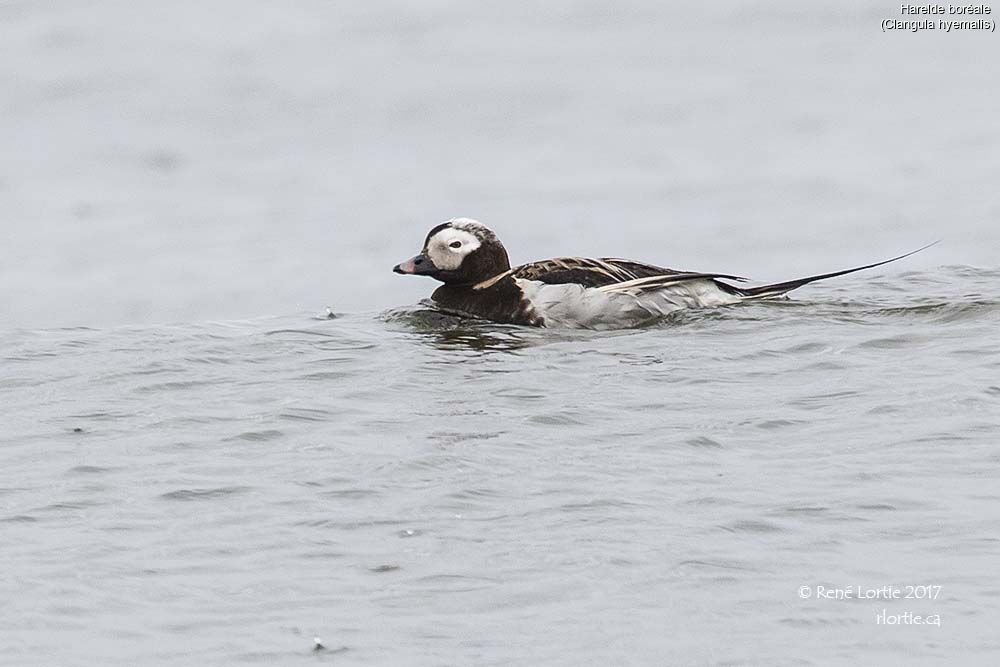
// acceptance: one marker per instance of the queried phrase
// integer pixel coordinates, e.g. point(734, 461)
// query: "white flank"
point(575, 306)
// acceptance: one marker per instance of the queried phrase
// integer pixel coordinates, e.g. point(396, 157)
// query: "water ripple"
point(204, 494)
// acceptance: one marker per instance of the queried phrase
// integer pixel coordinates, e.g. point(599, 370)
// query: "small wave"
point(704, 442)
point(900, 341)
point(307, 414)
point(257, 436)
point(204, 494)
point(303, 332)
point(88, 470)
point(752, 526)
point(176, 385)
point(944, 311)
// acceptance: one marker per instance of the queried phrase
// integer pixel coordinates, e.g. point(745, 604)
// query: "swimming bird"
point(574, 292)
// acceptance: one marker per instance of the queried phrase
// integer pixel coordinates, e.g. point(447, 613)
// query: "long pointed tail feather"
point(779, 289)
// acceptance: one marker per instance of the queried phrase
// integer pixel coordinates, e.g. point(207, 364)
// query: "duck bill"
point(421, 265)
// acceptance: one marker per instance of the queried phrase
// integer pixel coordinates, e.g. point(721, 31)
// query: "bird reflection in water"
point(449, 331)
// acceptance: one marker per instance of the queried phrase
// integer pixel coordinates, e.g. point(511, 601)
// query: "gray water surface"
point(416, 489)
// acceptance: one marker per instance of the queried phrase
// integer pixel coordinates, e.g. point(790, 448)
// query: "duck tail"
point(782, 288)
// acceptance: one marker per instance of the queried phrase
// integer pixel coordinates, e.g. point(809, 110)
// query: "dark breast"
point(502, 302)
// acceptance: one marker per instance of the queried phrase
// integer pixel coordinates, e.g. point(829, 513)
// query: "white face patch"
point(450, 246)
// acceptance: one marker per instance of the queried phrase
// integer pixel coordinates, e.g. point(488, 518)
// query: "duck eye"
point(455, 244)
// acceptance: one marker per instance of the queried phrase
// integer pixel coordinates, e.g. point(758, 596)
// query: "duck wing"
point(641, 286)
point(601, 272)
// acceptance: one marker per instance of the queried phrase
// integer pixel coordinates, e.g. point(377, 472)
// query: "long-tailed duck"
point(578, 292)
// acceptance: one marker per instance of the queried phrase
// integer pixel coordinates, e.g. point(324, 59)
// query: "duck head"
point(458, 252)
